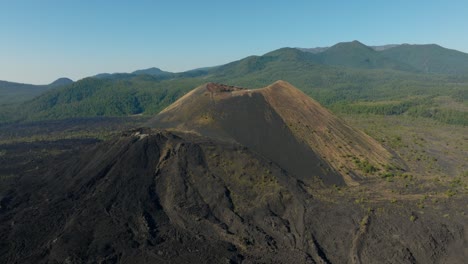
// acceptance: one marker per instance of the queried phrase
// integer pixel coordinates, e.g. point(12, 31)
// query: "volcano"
point(224, 175)
point(284, 125)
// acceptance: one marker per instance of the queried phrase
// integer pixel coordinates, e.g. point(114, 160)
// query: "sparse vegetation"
point(365, 166)
point(450, 192)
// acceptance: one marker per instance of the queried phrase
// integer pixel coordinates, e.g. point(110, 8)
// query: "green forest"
point(366, 83)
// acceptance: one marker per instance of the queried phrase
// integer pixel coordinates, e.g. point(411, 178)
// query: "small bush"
point(365, 166)
point(450, 193)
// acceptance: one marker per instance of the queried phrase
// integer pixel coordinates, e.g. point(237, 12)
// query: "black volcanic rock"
point(152, 196)
point(155, 196)
point(202, 191)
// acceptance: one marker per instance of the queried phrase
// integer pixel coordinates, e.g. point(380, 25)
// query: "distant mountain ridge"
point(345, 72)
point(357, 55)
point(152, 71)
point(155, 72)
point(426, 58)
point(322, 49)
point(61, 81)
point(430, 58)
point(11, 92)
point(314, 50)
point(385, 47)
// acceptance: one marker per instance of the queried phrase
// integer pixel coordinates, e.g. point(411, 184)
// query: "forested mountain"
point(348, 77)
point(61, 82)
point(152, 71)
point(357, 55)
point(104, 97)
point(16, 92)
point(11, 92)
point(430, 58)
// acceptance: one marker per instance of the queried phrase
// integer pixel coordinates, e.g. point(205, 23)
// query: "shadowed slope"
point(157, 197)
point(338, 143)
point(281, 123)
point(151, 196)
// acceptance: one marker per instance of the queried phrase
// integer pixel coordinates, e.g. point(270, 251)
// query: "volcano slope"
point(201, 192)
point(283, 124)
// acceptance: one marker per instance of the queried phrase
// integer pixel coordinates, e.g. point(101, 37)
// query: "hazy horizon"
point(46, 40)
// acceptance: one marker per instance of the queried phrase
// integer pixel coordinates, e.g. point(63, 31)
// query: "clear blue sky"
point(41, 40)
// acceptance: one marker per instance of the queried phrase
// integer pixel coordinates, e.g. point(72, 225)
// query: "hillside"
point(238, 176)
point(430, 58)
point(357, 55)
point(348, 77)
point(153, 72)
point(104, 97)
point(11, 93)
point(61, 82)
point(281, 123)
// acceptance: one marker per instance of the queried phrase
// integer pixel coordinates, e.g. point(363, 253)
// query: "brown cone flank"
point(281, 123)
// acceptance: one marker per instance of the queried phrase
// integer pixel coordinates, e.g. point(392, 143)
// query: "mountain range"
point(342, 77)
point(428, 58)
